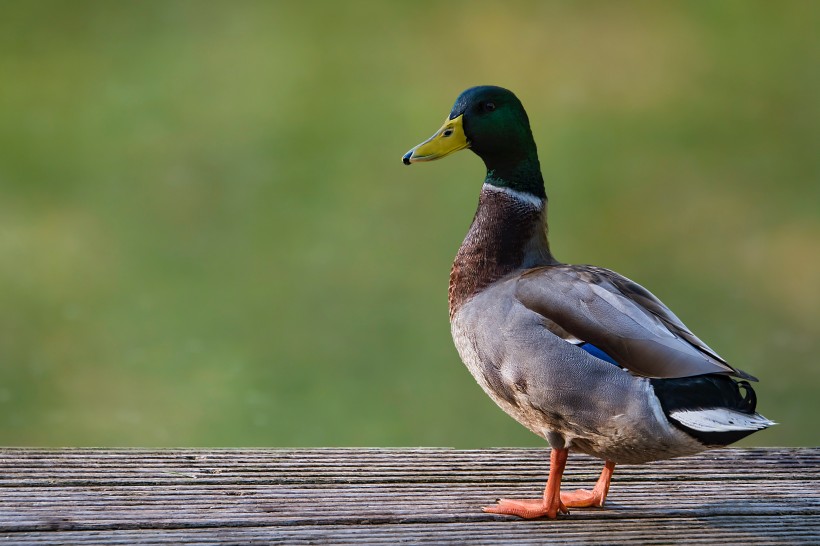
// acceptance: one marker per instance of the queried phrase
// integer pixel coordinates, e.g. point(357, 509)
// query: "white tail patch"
point(720, 420)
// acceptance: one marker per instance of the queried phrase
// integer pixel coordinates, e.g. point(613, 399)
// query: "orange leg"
point(583, 497)
point(550, 505)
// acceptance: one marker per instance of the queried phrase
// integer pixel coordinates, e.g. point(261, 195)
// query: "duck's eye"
point(447, 132)
point(489, 106)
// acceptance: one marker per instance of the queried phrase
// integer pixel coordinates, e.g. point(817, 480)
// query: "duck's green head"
point(492, 123)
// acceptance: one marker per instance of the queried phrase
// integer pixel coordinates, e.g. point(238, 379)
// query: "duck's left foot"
point(527, 508)
point(582, 498)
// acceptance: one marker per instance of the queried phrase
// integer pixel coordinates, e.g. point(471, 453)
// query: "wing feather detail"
point(622, 318)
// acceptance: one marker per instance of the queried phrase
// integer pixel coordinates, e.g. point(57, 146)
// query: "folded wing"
point(624, 319)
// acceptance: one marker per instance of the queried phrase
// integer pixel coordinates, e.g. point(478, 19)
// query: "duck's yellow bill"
point(450, 138)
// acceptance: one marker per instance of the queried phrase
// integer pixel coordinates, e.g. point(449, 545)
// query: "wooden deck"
point(417, 496)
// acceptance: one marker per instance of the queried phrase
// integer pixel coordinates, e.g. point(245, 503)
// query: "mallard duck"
point(580, 355)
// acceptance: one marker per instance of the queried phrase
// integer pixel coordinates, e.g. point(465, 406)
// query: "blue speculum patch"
point(597, 353)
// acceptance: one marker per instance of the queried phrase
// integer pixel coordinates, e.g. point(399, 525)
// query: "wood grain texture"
point(418, 496)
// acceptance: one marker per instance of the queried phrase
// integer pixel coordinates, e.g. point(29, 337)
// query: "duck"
point(583, 357)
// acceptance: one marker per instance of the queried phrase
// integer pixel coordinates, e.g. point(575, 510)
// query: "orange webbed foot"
point(582, 498)
point(527, 508)
point(550, 505)
point(554, 502)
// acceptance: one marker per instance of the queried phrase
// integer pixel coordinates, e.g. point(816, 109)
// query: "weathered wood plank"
point(728, 530)
point(333, 466)
point(421, 496)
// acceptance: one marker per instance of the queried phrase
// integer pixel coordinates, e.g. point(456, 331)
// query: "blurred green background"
point(207, 237)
